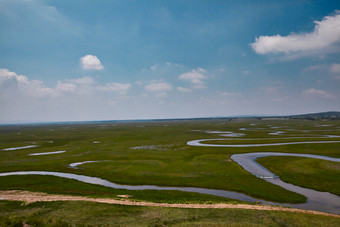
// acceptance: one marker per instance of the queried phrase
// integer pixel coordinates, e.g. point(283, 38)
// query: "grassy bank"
point(57, 185)
point(317, 174)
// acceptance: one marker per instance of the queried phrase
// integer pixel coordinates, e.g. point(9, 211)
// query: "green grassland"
point(320, 175)
point(94, 214)
point(156, 153)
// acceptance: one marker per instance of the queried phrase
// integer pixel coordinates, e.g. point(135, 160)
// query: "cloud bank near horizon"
point(87, 99)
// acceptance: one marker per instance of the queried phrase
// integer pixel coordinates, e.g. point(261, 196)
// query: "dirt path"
point(31, 197)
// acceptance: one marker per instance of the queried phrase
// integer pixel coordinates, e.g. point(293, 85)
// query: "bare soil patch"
point(31, 197)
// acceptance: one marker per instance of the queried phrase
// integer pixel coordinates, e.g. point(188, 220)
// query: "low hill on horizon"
point(330, 115)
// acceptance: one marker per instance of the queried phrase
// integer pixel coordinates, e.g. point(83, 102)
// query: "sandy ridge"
point(31, 197)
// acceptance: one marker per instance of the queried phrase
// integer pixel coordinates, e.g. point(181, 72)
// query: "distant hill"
point(332, 115)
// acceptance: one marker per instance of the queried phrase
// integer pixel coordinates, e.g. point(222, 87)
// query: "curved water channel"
point(199, 143)
point(76, 164)
point(19, 148)
point(46, 153)
point(102, 182)
point(319, 201)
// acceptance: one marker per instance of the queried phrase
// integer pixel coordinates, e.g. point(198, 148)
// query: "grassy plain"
point(139, 153)
point(94, 214)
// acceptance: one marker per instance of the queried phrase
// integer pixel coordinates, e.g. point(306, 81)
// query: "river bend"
point(319, 201)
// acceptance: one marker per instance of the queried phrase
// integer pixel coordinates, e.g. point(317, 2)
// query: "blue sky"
point(106, 60)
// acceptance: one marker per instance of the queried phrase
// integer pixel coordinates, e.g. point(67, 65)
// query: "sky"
point(85, 60)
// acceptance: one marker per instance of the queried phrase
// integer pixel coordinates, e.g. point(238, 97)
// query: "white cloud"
point(167, 66)
point(20, 85)
point(66, 87)
point(332, 68)
point(80, 86)
point(153, 67)
point(229, 94)
point(196, 77)
point(325, 36)
point(158, 86)
point(270, 89)
point(174, 65)
point(8, 78)
point(335, 68)
point(317, 93)
point(83, 81)
point(117, 87)
point(315, 67)
point(70, 99)
point(161, 95)
point(14, 83)
point(183, 89)
point(281, 99)
point(91, 62)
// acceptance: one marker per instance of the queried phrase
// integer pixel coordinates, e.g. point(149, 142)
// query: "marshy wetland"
point(169, 158)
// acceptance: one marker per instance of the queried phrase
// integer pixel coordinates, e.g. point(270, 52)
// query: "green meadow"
point(311, 173)
point(93, 214)
point(156, 153)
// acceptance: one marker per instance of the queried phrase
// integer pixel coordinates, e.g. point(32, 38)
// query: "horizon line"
point(160, 119)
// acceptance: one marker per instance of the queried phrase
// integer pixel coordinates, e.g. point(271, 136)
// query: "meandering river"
point(102, 182)
point(319, 201)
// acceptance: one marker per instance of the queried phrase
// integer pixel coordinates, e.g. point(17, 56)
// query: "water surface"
point(19, 148)
point(199, 143)
point(321, 201)
point(76, 164)
point(102, 182)
point(47, 153)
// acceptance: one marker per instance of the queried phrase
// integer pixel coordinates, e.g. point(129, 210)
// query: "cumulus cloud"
point(10, 82)
point(196, 77)
point(14, 83)
point(324, 37)
point(91, 62)
point(71, 99)
point(317, 93)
